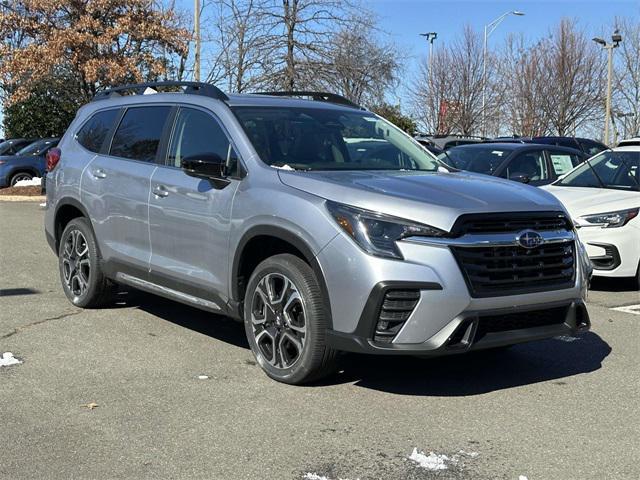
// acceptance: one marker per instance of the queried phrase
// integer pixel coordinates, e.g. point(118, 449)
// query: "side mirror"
point(206, 165)
point(520, 177)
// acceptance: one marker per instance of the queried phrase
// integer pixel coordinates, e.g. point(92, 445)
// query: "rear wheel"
point(20, 176)
point(638, 277)
point(286, 322)
point(82, 279)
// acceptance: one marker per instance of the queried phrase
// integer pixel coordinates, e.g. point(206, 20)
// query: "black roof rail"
point(317, 96)
point(193, 88)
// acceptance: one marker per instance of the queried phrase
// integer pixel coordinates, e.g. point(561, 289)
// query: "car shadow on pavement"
point(210, 324)
point(479, 372)
point(449, 376)
point(611, 284)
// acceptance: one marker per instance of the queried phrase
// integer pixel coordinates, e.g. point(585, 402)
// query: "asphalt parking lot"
point(557, 409)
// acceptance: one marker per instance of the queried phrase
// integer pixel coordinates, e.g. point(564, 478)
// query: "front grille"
point(396, 308)
point(511, 270)
point(520, 320)
point(510, 222)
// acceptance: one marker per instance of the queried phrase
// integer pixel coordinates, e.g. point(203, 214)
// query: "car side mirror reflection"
point(520, 177)
point(206, 165)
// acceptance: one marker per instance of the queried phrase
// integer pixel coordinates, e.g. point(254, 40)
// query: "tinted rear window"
point(92, 135)
point(138, 135)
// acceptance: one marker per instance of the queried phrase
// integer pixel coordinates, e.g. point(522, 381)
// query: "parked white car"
point(603, 197)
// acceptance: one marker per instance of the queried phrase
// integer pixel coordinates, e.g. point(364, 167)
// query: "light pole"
point(488, 30)
point(616, 38)
point(196, 31)
point(430, 36)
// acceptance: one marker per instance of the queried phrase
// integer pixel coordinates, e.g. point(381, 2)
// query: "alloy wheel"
point(278, 320)
point(76, 266)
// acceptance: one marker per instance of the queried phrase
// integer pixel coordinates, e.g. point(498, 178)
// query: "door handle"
point(99, 173)
point(160, 191)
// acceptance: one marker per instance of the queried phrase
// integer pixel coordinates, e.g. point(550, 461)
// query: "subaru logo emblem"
point(529, 239)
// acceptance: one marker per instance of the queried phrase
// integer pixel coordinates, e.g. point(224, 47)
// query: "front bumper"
point(469, 331)
point(357, 282)
point(615, 252)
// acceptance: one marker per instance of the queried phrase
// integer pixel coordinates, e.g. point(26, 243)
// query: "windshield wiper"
point(602, 185)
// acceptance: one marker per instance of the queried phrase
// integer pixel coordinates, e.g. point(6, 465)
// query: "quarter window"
point(197, 135)
point(92, 135)
point(138, 135)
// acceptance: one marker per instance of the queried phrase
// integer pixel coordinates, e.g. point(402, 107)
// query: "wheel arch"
point(263, 241)
point(67, 209)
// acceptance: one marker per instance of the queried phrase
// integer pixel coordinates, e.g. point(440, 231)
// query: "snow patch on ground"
point(314, 476)
point(522, 477)
point(432, 461)
point(34, 182)
point(7, 359)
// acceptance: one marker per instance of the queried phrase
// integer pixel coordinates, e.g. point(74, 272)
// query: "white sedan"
point(602, 196)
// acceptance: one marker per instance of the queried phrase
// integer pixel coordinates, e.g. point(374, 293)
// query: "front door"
point(189, 217)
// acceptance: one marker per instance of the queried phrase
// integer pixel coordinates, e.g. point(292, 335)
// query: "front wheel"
point(286, 322)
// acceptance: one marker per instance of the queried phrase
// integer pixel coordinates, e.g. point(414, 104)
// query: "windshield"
point(475, 159)
point(36, 148)
point(616, 170)
point(328, 139)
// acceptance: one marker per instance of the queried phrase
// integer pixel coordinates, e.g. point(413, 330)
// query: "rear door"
point(189, 217)
point(116, 186)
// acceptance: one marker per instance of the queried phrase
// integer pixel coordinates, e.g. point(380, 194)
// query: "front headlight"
point(610, 219)
point(377, 233)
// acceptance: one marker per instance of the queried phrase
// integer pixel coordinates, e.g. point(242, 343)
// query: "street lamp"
point(488, 30)
point(616, 38)
point(430, 36)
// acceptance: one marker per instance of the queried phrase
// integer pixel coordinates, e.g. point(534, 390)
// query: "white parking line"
point(634, 309)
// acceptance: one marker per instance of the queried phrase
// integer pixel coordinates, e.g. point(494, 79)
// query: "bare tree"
point(572, 69)
point(245, 41)
point(306, 29)
point(360, 65)
point(525, 85)
point(448, 97)
point(626, 112)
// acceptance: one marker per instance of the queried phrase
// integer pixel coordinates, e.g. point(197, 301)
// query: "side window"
point(198, 135)
point(93, 133)
point(562, 162)
point(139, 132)
point(531, 165)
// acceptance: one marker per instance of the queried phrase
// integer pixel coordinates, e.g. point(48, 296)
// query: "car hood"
point(581, 201)
point(435, 199)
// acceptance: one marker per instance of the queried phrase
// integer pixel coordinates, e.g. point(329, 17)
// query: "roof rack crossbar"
point(317, 96)
point(193, 88)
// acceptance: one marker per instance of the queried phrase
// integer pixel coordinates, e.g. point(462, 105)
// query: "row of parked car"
point(23, 159)
point(604, 200)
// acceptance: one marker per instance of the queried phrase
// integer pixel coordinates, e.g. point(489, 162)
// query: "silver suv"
point(321, 226)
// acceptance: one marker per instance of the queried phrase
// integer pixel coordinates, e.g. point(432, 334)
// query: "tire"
point(637, 282)
point(286, 328)
point(20, 176)
point(79, 264)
